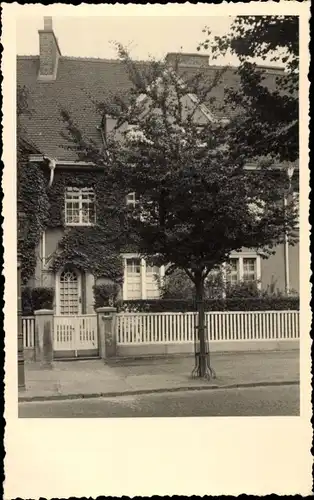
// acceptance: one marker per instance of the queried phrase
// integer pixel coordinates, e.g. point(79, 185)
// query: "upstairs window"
point(133, 266)
point(131, 199)
point(80, 207)
point(152, 270)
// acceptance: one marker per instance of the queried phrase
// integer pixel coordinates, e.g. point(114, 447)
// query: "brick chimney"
point(187, 60)
point(49, 52)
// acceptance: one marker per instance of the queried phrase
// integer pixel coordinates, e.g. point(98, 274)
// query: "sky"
point(145, 36)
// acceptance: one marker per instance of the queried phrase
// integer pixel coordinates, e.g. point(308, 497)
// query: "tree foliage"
point(270, 121)
point(196, 202)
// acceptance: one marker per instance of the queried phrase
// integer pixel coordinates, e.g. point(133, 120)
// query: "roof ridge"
point(100, 59)
point(272, 68)
point(89, 59)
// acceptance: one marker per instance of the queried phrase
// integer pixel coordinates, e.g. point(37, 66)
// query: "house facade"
point(71, 254)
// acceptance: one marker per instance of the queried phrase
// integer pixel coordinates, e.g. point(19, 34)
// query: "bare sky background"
point(91, 36)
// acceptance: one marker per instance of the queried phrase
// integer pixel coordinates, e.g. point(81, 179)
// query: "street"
point(258, 401)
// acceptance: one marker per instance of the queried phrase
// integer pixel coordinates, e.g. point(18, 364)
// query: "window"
point(249, 270)
point(80, 207)
point(151, 282)
point(133, 279)
point(133, 266)
point(140, 279)
point(233, 273)
point(131, 199)
point(152, 269)
point(243, 269)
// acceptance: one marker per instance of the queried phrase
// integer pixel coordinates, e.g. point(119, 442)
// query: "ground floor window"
point(242, 268)
point(140, 279)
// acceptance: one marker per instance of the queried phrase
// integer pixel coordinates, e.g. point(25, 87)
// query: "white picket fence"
point(147, 328)
point(28, 329)
point(80, 332)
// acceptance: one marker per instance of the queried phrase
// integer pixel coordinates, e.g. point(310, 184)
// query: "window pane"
point(234, 264)
point(249, 265)
point(131, 199)
point(249, 269)
point(133, 266)
point(233, 272)
point(152, 269)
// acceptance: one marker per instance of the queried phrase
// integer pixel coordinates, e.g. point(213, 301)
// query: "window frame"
point(131, 202)
point(143, 275)
point(240, 257)
point(91, 201)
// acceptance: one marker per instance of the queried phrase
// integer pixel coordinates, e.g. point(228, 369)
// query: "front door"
point(75, 334)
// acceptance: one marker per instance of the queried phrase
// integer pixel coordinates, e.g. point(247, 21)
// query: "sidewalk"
point(75, 379)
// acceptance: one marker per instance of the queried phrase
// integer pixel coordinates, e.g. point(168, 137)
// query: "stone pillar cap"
point(42, 312)
point(106, 309)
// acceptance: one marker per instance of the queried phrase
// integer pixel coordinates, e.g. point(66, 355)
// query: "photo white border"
point(188, 456)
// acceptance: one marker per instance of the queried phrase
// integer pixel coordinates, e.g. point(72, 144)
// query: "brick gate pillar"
point(107, 334)
point(44, 337)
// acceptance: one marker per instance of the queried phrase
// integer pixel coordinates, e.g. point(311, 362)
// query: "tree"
point(196, 202)
point(269, 124)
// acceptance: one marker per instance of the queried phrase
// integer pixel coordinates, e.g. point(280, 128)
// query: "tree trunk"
point(199, 286)
point(203, 368)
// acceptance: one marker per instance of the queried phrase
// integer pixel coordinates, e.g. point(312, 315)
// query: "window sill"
point(79, 224)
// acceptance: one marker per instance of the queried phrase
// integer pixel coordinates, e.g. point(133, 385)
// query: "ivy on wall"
point(32, 193)
point(95, 249)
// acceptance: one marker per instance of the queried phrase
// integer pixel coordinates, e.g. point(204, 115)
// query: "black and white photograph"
point(159, 231)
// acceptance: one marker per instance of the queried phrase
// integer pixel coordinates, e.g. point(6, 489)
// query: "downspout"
point(103, 132)
point(52, 162)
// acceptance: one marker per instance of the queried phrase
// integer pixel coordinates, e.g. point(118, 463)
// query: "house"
point(67, 251)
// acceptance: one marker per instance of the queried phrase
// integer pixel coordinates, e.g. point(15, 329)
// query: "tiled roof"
point(77, 80)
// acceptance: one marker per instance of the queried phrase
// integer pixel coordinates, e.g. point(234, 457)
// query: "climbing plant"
point(95, 249)
point(32, 193)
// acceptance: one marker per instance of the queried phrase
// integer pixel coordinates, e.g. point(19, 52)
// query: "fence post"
point(107, 334)
point(44, 337)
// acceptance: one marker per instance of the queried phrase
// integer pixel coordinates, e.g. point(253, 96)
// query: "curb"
point(167, 357)
point(138, 392)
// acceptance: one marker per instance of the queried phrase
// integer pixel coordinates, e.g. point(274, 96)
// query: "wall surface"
point(273, 269)
point(188, 348)
point(294, 267)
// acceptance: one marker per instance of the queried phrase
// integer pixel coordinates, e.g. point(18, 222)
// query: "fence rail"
point(146, 328)
point(28, 329)
point(167, 328)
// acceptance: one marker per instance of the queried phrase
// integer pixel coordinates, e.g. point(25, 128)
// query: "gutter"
point(53, 163)
point(59, 163)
